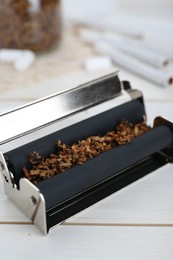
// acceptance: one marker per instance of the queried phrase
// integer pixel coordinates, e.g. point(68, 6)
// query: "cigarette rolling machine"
point(72, 115)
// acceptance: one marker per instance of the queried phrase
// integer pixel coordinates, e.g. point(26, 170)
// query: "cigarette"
point(129, 28)
point(163, 49)
point(116, 26)
point(134, 34)
point(140, 52)
point(159, 36)
point(132, 47)
point(148, 72)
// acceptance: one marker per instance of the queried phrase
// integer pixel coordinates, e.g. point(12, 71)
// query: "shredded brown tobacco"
point(69, 156)
point(23, 27)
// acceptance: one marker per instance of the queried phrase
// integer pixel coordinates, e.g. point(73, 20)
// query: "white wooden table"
point(134, 223)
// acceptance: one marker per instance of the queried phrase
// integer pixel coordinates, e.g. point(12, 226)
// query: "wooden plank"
point(68, 242)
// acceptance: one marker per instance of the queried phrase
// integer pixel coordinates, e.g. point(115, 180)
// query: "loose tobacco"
point(78, 153)
point(34, 25)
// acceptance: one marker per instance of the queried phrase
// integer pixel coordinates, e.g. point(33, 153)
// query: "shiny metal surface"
point(45, 111)
point(27, 197)
point(65, 122)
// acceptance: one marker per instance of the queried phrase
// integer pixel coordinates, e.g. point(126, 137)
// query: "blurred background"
point(86, 40)
point(156, 8)
point(47, 46)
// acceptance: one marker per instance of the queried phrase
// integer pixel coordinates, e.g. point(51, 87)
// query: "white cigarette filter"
point(98, 63)
point(21, 59)
point(24, 61)
point(148, 72)
point(140, 52)
point(9, 55)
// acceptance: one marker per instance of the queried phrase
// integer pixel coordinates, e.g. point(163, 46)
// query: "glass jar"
point(30, 24)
